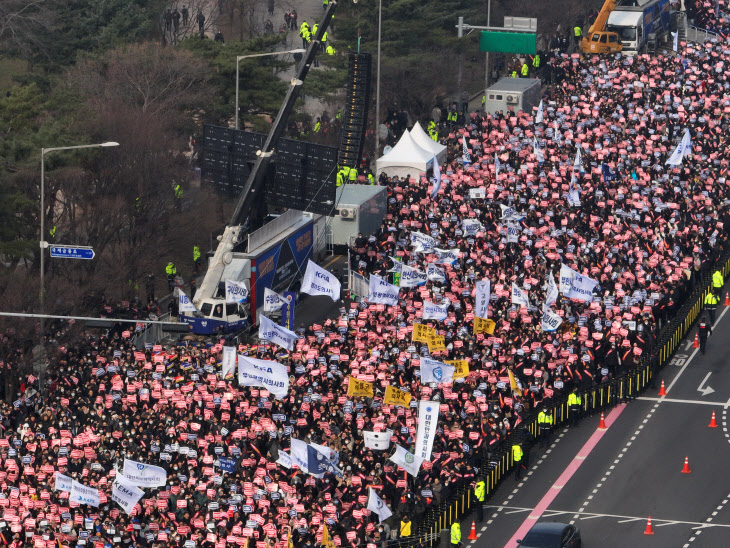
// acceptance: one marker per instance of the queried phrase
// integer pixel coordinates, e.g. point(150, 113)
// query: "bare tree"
point(23, 26)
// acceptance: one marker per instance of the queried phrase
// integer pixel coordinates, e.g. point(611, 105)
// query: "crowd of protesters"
point(644, 230)
point(709, 15)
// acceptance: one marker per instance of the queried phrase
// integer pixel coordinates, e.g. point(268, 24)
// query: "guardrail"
point(597, 398)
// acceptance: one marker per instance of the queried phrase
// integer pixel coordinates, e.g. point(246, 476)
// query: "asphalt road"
point(608, 482)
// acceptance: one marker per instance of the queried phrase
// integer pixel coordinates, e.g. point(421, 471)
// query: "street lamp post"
point(377, 84)
point(238, 59)
point(43, 243)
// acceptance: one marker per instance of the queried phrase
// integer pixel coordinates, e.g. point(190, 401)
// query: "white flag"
point(471, 226)
point(496, 166)
point(184, 303)
point(284, 459)
point(381, 292)
point(410, 277)
point(465, 157)
point(318, 281)
point(83, 494)
point(300, 456)
point(277, 334)
point(675, 41)
point(228, 362)
point(556, 132)
point(144, 475)
point(422, 243)
point(578, 163)
point(573, 192)
point(510, 214)
point(273, 301)
point(267, 374)
point(552, 290)
point(449, 256)
point(376, 504)
point(513, 233)
point(574, 285)
point(550, 320)
point(538, 116)
point(482, 298)
point(408, 461)
point(63, 483)
point(125, 494)
point(539, 156)
point(436, 178)
point(380, 441)
point(519, 296)
point(236, 292)
point(432, 311)
point(397, 265)
point(435, 274)
point(684, 147)
point(436, 372)
point(428, 418)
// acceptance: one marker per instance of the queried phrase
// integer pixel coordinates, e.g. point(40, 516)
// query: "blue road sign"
point(71, 252)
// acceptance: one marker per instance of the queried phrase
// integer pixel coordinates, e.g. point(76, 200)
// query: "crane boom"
point(600, 23)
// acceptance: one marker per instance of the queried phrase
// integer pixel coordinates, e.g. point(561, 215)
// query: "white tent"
point(424, 141)
point(406, 157)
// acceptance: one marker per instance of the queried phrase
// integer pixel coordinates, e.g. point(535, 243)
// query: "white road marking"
point(689, 360)
point(707, 389)
point(691, 402)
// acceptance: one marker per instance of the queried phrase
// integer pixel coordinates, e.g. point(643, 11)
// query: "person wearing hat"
point(704, 330)
point(545, 423)
point(574, 403)
point(479, 493)
point(455, 535)
point(517, 459)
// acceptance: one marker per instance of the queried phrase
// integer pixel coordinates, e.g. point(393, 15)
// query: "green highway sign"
point(508, 42)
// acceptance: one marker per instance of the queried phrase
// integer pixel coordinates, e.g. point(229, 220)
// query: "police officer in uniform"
point(711, 301)
point(171, 271)
point(574, 403)
point(517, 458)
point(704, 331)
point(545, 422)
point(455, 534)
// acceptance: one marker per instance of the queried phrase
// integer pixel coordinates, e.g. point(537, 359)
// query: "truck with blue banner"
point(640, 24)
point(275, 257)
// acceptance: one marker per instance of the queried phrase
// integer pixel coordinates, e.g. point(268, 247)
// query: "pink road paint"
point(547, 500)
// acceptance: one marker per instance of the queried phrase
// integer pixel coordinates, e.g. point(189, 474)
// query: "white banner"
point(436, 178)
point(408, 461)
point(422, 243)
point(277, 334)
point(551, 291)
point(510, 213)
point(471, 226)
point(519, 296)
point(84, 495)
point(236, 292)
point(125, 494)
point(539, 156)
point(318, 281)
point(432, 311)
point(435, 371)
point(228, 362)
point(578, 163)
point(550, 320)
point(513, 233)
point(380, 441)
point(184, 303)
point(446, 256)
point(376, 504)
point(435, 274)
point(63, 483)
point(573, 192)
point(576, 286)
point(144, 475)
point(397, 265)
point(556, 132)
point(273, 301)
point(539, 115)
point(428, 417)
point(410, 277)
point(381, 292)
point(284, 459)
point(497, 166)
point(481, 298)
point(266, 374)
point(684, 147)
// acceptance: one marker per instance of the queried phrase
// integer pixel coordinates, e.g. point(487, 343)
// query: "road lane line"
point(689, 360)
point(565, 476)
point(673, 400)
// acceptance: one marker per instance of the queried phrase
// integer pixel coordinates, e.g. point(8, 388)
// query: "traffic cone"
point(662, 390)
point(649, 529)
point(602, 424)
point(727, 299)
point(713, 422)
point(686, 470)
point(473, 533)
point(696, 343)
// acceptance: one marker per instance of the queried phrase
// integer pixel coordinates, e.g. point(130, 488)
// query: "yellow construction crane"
point(597, 40)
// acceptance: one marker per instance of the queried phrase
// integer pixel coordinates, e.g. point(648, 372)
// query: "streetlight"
point(377, 85)
point(238, 59)
point(43, 242)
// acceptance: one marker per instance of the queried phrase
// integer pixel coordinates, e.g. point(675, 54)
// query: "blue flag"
point(465, 152)
point(608, 174)
point(436, 177)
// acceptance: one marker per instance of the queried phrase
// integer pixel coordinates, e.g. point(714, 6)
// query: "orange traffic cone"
point(696, 343)
point(686, 470)
point(713, 422)
point(602, 424)
point(727, 299)
point(473, 533)
point(649, 529)
point(662, 390)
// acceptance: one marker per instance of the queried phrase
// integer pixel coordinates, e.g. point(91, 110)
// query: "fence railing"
point(597, 398)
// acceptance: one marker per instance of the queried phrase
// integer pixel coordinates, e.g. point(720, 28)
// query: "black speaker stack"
point(357, 99)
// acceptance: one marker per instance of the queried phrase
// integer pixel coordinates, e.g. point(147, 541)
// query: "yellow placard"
point(394, 396)
point(461, 368)
point(421, 332)
point(357, 387)
point(436, 343)
point(484, 326)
